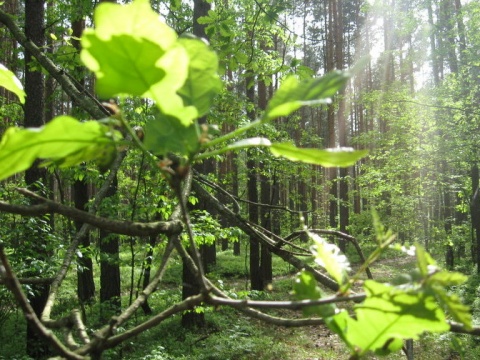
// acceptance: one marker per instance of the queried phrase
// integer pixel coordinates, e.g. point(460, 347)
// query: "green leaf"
point(437, 281)
point(447, 278)
point(64, 141)
point(242, 58)
point(425, 262)
point(132, 52)
point(67, 56)
point(294, 94)
point(204, 20)
point(458, 311)
point(306, 288)
point(383, 236)
point(387, 316)
point(329, 257)
point(166, 134)
point(341, 157)
point(10, 82)
point(202, 83)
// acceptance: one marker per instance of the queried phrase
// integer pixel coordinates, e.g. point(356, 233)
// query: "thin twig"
point(70, 254)
point(182, 196)
point(291, 305)
point(240, 222)
point(14, 286)
point(80, 98)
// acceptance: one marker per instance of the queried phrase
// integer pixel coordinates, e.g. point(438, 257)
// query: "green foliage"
point(202, 83)
point(64, 141)
point(306, 288)
point(389, 314)
point(166, 134)
point(206, 229)
point(10, 82)
point(341, 157)
point(133, 53)
point(294, 94)
point(386, 317)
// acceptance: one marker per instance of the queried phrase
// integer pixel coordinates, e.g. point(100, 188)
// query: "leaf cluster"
point(389, 314)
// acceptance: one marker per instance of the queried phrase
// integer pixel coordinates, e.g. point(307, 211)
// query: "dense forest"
point(193, 174)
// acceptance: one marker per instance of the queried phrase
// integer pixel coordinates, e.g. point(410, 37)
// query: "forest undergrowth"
point(230, 335)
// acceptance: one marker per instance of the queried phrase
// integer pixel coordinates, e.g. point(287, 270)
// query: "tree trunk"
point(342, 127)
point(110, 260)
point(433, 45)
point(232, 158)
point(462, 45)
point(446, 24)
point(447, 219)
point(222, 174)
point(207, 252)
point(475, 216)
point(332, 173)
point(35, 177)
point(265, 198)
point(256, 281)
point(147, 271)
point(85, 283)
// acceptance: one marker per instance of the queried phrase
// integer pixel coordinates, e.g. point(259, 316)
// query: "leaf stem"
point(136, 140)
point(370, 260)
point(226, 149)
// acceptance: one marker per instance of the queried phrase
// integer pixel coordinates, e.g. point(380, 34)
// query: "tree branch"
point(123, 227)
point(107, 342)
point(14, 286)
point(291, 305)
point(460, 329)
point(32, 281)
point(80, 98)
point(338, 234)
point(236, 199)
point(238, 221)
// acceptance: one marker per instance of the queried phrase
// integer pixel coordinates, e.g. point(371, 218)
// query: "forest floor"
point(229, 334)
point(321, 344)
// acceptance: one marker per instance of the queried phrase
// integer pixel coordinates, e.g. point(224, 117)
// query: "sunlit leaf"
point(330, 258)
point(387, 316)
point(437, 281)
point(458, 311)
point(132, 52)
point(63, 141)
point(306, 288)
point(294, 94)
point(341, 157)
point(447, 278)
point(10, 82)
point(203, 82)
